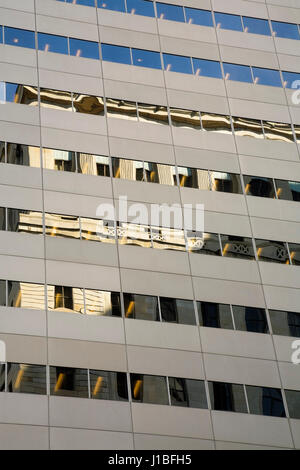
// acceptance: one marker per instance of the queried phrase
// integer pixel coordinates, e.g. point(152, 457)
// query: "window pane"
point(142, 307)
point(256, 26)
point(19, 220)
point(226, 182)
point(294, 253)
point(19, 154)
point(134, 234)
point(273, 251)
point(194, 178)
point(187, 392)
point(207, 68)
point(19, 37)
point(66, 226)
point(3, 218)
point(166, 11)
point(26, 378)
point(177, 311)
point(22, 94)
point(248, 127)
point(185, 118)
point(140, 7)
point(81, 48)
point(226, 21)
point(215, 315)
point(211, 244)
point(128, 169)
point(250, 319)
point(118, 54)
point(240, 73)
point(88, 104)
point(2, 293)
point(56, 99)
point(68, 382)
point(265, 401)
point(89, 164)
point(162, 174)
point(293, 403)
point(143, 58)
point(201, 17)
point(102, 303)
point(121, 109)
point(259, 186)
point(116, 5)
point(289, 78)
point(266, 77)
point(108, 385)
point(2, 152)
point(216, 123)
point(285, 30)
point(285, 323)
point(278, 131)
point(65, 299)
point(98, 230)
point(26, 295)
point(52, 43)
point(168, 239)
point(153, 113)
point(195, 241)
point(60, 160)
point(227, 397)
point(89, 3)
point(237, 247)
point(149, 389)
point(177, 63)
point(1, 34)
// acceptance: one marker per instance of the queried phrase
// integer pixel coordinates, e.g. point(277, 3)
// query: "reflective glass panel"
point(285, 30)
point(140, 7)
point(89, 164)
point(149, 389)
point(250, 319)
point(226, 182)
point(19, 154)
point(240, 73)
point(207, 68)
point(121, 109)
point(285, 323)
point(88, 104)
point(118, 54)
point(2, 377)
point(56, 99)
point(273, 251)
point(2, 293)
point(19, 220)
point(278, 131)
point(165, 11)
point(215, 315)
point(153, 113)
point(19, 37)
point(210, 244)
point(108, 385)
point(1, 34)
point(162, 174)
point(2, 152)
point(289, 190)
point(3, 218)
point(294, 253)
point(265, 401)
point(227, 397)
point(256, 26)
point(65, 299)
point(259, 186)
point(168, 238)
point(177, 311)
point(293, 403)
point(102, 303)
point(143, 58)
point(60, 160)
point(226, 21)
point(187, 392)
point(88, 3)
point(26, 295)
point(200, 17)
point(22, 94)
point(185, 118)
point(216, 122)
point(116, 5)
point(266, 77)
point(26, 378)
point(289, 78)
point(142, 307)
point(134, 234)
point(68, 382)
point(52, 43)
point(98, 230)
point(237, 247)
point(58, 225)
point(81, 48)
point(194, 241)
point(193, 178)
point(177, 63)
point(248, 127)
point(128, 169)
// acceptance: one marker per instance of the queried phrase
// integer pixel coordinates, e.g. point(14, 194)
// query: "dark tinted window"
point(149, 389)
point(26, 378)
point(293, 403)
point(250, 319)
point(108, 385)
point(265, 401)
point(215, 315)
point(285, 323)
point(68, 382)
point(142, 307)
point(227, 397)
point(187, 392)
point(177, 311)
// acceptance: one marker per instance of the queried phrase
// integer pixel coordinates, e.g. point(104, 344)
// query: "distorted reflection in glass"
point(68, 382)
point(26, 378)
point(294, 249)
point(226, 182)
point(235, 246)
point(2, 293)
point(89, 164)
point(187, 177)
point(2, 377)
point(128, 169)
point(22, 94)
point(65, 299)
point(195, 241)
point(56, 99)
point(98, 230)
point(102, 303)
point(88, 104)
point(57, 225)
point(210, 244)
point(20, 154)
point(153, 113)
point(215, 315)
point(121, 109)
point(227, 397)
point(293, 403)
point(250, 319)
point(168, 238)
point(141, 307)
point(162, 174)
point(19, 220)
point(185, 118)
point(26, 295)
point(134, 234)
point(274, 251)
point(149, 389)
point(60, 160)
point(265, 401)
point(289, 190)
point(187, 392)
point(177, 311)
point(278, 131)
point(107, 385)
point(3, 217)
point(248, 127)
point(2, 152)
point(216, 122)
point(259, 186)
point(285, 323)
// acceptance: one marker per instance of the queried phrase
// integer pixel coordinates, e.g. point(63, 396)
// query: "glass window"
point(216, 123)
point(22, 94)
point(88, 104)
point(194, 241)
point(285, 30)
point(19, 37)
point(121, 109)
point(285, 323)
point(215, 315)
point(128, 169)
point(134, 234)
point(193, 178)
point(118, 54)
point(240, 73)
point(210, 244)
point(265, 401)
point(108, 385)
point(59, 160)
point(168, 238)
point(102, 303)
point(19, 154)
point(2, 293)
point(248, 127)
point(266, 77)
point(68, 382)
point(187, 392)
point(177, 63)
point(56, 99)
point(88, 3)
point(65, 299)
point(294, 249)
point(259, 186)
point(98, 230)
point(235, 246)
point(26, 378)
point(26, 295)
point(143, 58)
point(58, 225)
point(149, 389)
point(200, 17)
point(226, 182)
point(227, 21)
point(116, 5)
point(11, 92)
point(2, 377)
point(142, 307)
point(227, 397)
point(278, 131)
point(293, 403)
point(185, 118)
point(207, 68)
point(2, 152)
point(81, 48)
point(177, 311)
point(162, 174)
point(1, 34)
point(250, 319)
point(3, 218)
point(140, 7)
point(166, 11)
point(52, 43)
point(289, 78)
point(89, 164)
point(256, 26)
point(268, 250)
point(19, 220)
point(153, 113)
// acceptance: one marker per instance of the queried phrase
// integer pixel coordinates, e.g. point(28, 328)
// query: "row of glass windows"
point(147, 58)
point(148, 236)
point(95, 302)
point(138, 170)
point(144, 112)
point(145, 388)
point(196, 16)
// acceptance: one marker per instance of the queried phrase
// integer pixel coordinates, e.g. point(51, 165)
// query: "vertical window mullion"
point(80, 228)
point(129, 386)
point(232, 316)
point(69, 48)
point(242, 21)
point(84, 300)
point(289, 253)
point(184, 15)
point(6, 293)
point(125, 3)
point(275, 188)
point(131, 57)
point(246, 398)
point(6, 216)
point(159, 309)
point(220, 244)
point(168, 387)
point(89, 383)
point(252, 74)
